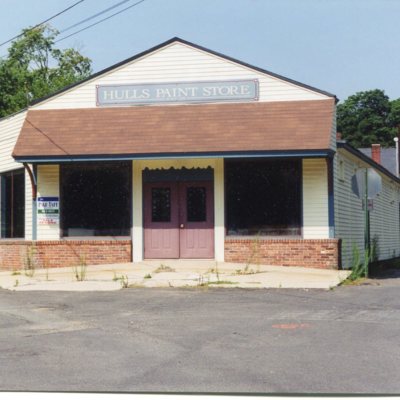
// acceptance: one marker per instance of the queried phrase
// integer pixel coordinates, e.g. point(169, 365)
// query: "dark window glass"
point(263, 197)
point(196, 204)
point(95, 199)
point(13, 204)
point(161, 204)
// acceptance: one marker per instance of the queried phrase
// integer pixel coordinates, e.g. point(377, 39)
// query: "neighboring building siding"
point(333, 132)
point(179, 62)
point(315, 199)
point(9, 131)
point(349, 215)
point(48, 186)
point(384, 220)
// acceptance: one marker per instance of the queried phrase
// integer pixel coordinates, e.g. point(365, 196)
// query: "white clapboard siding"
point(9, 131)
point(48, 186)
point(349, 215)
point(384, 220)
point(28, 206)
point(179, 62)
point(315, 199)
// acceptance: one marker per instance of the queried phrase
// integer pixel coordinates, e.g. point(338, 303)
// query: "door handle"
point(181, 226)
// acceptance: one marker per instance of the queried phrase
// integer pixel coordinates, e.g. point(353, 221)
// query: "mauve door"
point(196, 219)
point(161, 220)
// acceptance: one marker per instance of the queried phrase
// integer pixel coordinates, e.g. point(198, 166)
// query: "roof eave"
point(314, 153)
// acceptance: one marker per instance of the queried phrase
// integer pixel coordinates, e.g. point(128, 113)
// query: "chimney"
point(376, 153)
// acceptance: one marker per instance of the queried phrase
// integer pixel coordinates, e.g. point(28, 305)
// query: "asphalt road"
point(218, 340)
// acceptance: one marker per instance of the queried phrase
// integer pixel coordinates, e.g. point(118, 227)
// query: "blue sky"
point(341, 46)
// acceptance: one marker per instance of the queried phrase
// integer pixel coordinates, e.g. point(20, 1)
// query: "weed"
point(147, 276)
point(46, 266)
point(202, 281)
point(16, 283)
point(15, 273)
point(80, 270)
point(216, 270)
point(359, 269)
point(124, 281)
point(253, 259)
point(163, 268)
point(30, 261)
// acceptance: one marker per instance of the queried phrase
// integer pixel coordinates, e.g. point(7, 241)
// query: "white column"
point(137, 207)
point(315, 199)
point(219, 206)
point(48, 185)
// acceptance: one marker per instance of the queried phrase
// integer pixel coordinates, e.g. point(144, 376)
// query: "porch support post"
point(137, 207)
point(32, 173)
point(219, 206)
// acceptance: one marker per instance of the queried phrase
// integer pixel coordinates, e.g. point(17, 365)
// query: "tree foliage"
point(369, 117)
point(35, 68)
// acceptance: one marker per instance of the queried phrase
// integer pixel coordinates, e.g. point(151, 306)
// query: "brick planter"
point(63, 253)
point(312, 253)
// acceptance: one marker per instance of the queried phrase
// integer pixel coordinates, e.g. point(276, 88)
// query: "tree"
point(34, 68)
point(369, 117)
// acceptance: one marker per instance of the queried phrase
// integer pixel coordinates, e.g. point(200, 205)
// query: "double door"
point(179, 220)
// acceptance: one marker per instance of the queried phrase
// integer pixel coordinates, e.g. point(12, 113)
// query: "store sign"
point(48, 210)
point(178, 92)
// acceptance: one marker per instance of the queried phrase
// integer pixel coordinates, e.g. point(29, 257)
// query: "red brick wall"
point(63, 253)
point(313, 253)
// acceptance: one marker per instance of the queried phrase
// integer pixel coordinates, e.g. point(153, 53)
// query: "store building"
point(182, 152)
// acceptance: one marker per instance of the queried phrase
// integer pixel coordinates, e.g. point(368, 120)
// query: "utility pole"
point(366, 219)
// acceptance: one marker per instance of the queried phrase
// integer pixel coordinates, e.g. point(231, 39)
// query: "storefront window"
point(263, 197)
point(13, 204)
point(96, 199)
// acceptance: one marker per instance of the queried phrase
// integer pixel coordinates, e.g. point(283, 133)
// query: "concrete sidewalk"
point(172, 273)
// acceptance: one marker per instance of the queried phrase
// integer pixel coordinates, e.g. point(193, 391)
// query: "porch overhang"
point(263, 129)
point(323, 153)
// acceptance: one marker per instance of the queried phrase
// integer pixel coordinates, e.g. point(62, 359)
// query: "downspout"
point(32, 177)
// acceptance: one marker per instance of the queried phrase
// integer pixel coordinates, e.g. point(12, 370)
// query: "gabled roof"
point(182, 129)
point(342, 144)
point(388, 157)
point(185, 42)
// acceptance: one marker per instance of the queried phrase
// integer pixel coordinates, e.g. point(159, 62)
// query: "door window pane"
point(160, 204)
point(196, 204)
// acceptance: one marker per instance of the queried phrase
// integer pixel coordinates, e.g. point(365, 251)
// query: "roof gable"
point(176, 61)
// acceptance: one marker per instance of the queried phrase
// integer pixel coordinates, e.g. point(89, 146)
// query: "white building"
point(182, 152)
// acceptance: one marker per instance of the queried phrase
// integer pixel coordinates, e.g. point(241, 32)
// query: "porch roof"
point(284, 126)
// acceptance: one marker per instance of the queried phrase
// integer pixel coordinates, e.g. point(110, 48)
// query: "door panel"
point(196, 215)
point(179, 220)
point(161, 220)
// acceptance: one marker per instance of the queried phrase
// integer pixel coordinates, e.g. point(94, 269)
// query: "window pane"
point(13, 205)
point(95, 199)
point(196, 204)
point(160, 204)
point(263, 197)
